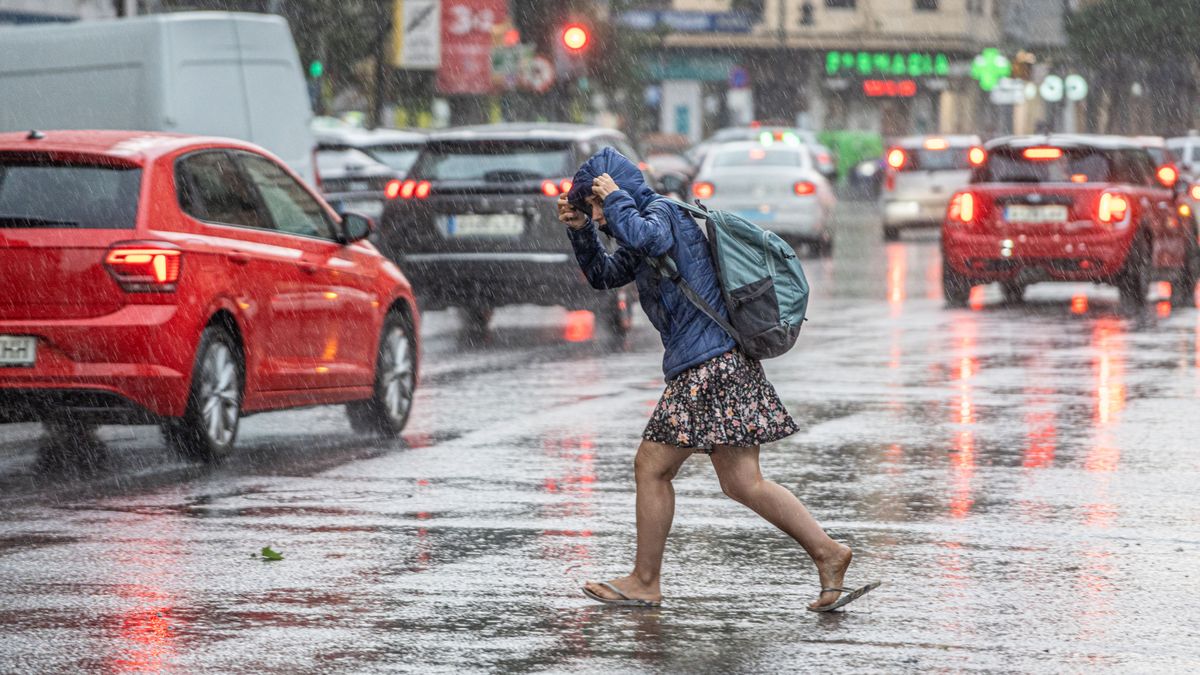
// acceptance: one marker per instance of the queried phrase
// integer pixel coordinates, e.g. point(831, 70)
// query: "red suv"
point(1068, 208)
point(185, 281)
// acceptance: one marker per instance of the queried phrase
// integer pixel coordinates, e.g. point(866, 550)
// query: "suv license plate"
point(1024, 213)
point(17, 350)
point(476, 225)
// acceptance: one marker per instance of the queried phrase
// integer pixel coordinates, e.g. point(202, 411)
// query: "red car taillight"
point(144, 267)
point(411, 188)
point(703, 190)
point(1196, 192)
point(552, 189)
point(392, 189)
point(1113, 208)
point(962, 209)
point(804, 188)
point(897, 158)
point(976, 156)
point(889, 182)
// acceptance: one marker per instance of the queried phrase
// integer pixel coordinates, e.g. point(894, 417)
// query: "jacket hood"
point(624, 172)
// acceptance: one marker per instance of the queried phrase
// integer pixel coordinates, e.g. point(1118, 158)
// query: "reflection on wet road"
point(1021, 477)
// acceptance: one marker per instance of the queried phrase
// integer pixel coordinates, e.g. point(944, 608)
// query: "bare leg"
point(656, 464)
point(741, 479)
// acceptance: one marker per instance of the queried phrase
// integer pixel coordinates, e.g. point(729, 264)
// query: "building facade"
point(890, 67)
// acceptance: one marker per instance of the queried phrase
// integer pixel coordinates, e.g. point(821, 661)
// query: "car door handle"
point(239, 257)
point(308, 268)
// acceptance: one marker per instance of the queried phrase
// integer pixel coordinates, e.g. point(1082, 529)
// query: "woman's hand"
point(567, 214)
point(604, 186)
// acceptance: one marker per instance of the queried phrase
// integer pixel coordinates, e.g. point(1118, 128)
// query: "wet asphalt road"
point(1022, 478)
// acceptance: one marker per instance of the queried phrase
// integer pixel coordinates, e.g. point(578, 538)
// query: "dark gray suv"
point(475, 223)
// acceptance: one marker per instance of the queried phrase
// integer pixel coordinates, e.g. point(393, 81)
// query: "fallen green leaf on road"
point(268, 554)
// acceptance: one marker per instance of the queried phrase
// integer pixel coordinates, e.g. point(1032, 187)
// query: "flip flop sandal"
point(621, 600)
point(851, 596)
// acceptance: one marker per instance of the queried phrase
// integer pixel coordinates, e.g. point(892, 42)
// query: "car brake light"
point(422, 189)
point(977, 156)
point(1196, 192)
point(936, 144)
point(962, 208)
point(1042, 154)
point(392, 189)
point(804, 187)
point(407, 189)
point(889, 182)
point(1113, 208)
point(144, 267)
point(896, 158)
point(552, 189)
point(1167, 175)
point(703, 190)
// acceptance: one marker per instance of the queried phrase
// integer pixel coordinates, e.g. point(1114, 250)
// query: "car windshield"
point(757, 157)
point(494, 161)
point(1075, 165)
point(399, 157)
point(40, 192)
point(339, 159)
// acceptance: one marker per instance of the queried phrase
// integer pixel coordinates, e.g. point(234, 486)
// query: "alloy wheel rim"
point(395, 373)
point(219, 394)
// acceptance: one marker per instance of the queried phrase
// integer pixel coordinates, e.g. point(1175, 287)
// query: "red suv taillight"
point(144, 267)
point(1113, 208)
point(409, 189)
point(392, 189)
point(962, 209)
point(552, 189)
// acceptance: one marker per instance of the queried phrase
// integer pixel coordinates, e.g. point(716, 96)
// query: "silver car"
point(922, 173)
point(775, 186)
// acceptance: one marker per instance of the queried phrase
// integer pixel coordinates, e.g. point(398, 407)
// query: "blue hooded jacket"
point(644, 224)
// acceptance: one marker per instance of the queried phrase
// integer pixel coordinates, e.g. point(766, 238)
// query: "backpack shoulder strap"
point(665, 267)
point(698, 210)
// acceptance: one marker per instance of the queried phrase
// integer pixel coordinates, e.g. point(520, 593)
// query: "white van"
point(212, 73)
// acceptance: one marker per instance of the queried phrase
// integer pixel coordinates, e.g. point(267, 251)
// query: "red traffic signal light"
point(575, 37)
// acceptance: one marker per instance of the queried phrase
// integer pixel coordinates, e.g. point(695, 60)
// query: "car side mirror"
point(356, 227)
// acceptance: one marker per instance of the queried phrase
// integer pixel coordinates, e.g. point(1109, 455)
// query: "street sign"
point(539, 74)
point(1077, 87)
point(416, 34)
point(1051, 89)
point(467, 45)
point(1008, 91)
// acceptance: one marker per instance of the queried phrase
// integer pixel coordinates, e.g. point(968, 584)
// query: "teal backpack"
point(765, 291)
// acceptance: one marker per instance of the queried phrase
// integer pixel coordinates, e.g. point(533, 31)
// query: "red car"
point(1069, 208)
point(187, 281)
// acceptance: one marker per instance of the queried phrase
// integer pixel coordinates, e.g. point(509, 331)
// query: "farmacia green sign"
point(896, 64)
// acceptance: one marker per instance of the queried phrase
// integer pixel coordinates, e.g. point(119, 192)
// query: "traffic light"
point(575, 38)
point(316, 69)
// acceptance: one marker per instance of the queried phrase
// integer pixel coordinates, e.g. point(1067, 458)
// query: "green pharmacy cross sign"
point(887, 64)
point(989, 68)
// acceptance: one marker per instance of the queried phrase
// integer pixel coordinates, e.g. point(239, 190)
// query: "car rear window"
point(494, 161)
point(1074, 165)
point(399, 157)
point(43, 192)
point(924, 159)
point(753, 157)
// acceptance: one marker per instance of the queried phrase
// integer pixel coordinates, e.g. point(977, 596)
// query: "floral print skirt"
point(726, 400)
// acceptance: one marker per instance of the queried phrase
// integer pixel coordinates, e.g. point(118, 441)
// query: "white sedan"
point(774, 186)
